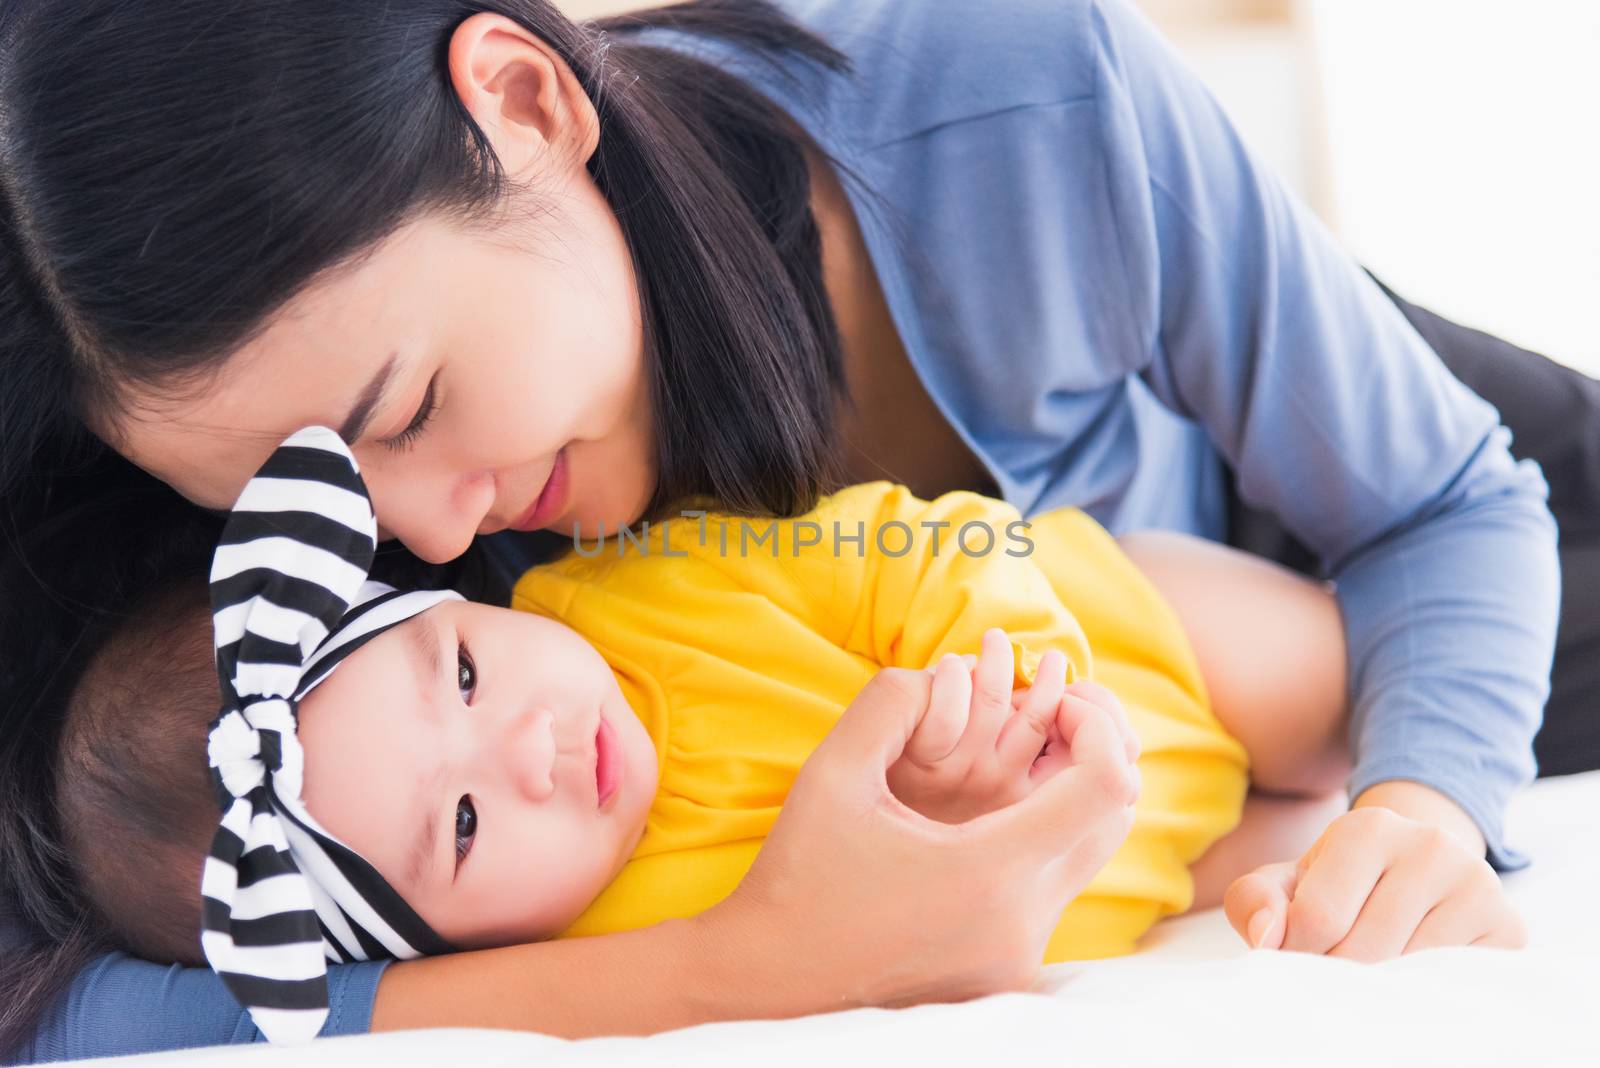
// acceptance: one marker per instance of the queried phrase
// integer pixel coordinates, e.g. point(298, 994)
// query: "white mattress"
point(1192, 996)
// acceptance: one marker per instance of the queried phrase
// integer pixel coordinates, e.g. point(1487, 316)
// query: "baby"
point(475, 776)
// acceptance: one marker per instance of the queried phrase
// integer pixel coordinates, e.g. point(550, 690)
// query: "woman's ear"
point(522, 94)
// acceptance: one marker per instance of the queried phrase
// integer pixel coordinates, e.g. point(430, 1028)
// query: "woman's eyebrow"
point(355, 424)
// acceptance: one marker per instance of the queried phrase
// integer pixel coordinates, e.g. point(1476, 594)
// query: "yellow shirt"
point(739, 652)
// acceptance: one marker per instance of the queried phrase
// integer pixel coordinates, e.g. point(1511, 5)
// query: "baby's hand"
point(1375, 885)
point(980, 746)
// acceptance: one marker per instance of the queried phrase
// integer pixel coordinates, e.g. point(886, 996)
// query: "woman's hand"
point(855, 899)
point(1377, 884)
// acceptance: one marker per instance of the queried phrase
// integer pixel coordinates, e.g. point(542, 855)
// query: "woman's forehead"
point(313, 363)
point(207, 440)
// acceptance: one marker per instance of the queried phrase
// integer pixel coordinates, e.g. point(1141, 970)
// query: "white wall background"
point(1453, 144)
point(1465, 158)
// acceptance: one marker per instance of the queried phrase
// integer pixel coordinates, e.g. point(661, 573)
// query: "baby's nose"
point(529, 753)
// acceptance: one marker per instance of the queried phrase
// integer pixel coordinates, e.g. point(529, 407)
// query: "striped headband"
point(290, 600)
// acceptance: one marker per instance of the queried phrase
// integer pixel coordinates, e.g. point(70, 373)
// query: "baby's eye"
point(466, 673)
point(466, 828)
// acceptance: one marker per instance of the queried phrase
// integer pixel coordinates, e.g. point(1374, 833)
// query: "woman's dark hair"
point(75, 584)
point(172, 174)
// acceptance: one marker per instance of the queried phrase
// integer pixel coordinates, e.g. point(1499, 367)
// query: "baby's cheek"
point(574, 896)
point(568, 878)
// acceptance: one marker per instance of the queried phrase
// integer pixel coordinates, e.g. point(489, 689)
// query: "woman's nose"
point(435, 515)
point(528, 753)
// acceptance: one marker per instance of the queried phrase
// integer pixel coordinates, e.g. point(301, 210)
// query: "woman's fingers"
point(1455, 922)
point(1391, 914)
point(946, 719)
point(1082, 798)
point(1082, 813)
point(1095, 693)
point(1026, 732)
point(852, 870)
point(1257, 904)
point(1074, 712)
point(1337, 876)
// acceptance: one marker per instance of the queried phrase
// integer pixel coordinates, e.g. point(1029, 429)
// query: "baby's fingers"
point(1257, 905)
point(1026, 732)
point(990, 704)
point(940, 731)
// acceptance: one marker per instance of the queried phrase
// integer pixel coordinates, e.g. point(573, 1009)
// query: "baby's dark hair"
point(135, 803)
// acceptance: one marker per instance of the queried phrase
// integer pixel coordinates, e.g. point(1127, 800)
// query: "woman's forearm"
point(854, 899)
point(674, 974)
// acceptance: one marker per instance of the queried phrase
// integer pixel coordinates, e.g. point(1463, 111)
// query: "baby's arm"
point(928, 585)
point(1271, 649)
point(900, 581)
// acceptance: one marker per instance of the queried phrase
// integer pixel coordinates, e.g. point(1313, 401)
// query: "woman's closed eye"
point(419, 422)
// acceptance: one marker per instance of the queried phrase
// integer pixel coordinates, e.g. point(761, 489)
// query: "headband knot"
point(240, 755)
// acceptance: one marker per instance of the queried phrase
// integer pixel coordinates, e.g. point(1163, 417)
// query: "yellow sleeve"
point(902, 581)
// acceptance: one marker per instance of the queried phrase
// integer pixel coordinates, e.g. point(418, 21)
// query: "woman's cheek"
point(622, 481)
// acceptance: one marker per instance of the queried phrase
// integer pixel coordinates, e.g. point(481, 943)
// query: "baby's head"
point(398, 773)
point(483, 760)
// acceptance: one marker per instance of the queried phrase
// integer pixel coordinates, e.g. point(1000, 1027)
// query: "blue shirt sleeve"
point(121, 1005)
point(1336, 417)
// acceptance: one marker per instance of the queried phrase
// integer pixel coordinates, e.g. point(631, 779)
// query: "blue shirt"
point(1110, 299)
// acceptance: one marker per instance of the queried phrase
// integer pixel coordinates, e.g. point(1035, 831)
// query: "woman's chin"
point(614, 504)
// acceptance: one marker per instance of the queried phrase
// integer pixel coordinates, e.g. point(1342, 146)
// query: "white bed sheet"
point(1192, 996)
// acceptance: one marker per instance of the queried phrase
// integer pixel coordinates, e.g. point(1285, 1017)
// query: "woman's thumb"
point(874, 729)
point(1257, 904)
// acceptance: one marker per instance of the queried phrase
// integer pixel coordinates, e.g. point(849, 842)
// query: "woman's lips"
point(607, 763)
point(552, 499)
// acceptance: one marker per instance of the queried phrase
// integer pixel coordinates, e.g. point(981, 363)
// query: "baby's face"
point(485, 762)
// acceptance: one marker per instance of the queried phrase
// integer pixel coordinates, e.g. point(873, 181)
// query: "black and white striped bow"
point(290, 599)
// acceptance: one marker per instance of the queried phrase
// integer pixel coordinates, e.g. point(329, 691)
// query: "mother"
point(548, 277)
